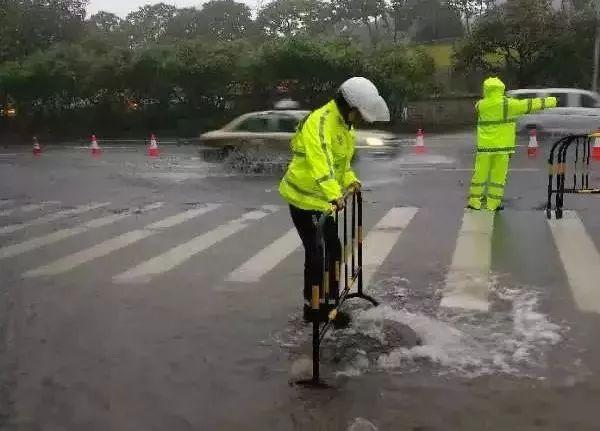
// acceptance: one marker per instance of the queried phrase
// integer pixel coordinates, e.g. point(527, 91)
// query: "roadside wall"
point(447, 112)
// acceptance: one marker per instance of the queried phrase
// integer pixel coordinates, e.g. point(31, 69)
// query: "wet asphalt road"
point(123, 305)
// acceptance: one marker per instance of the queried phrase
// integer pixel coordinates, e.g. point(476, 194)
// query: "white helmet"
point(360, 93)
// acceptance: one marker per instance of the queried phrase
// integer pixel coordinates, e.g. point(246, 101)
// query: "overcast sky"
point(123, 7)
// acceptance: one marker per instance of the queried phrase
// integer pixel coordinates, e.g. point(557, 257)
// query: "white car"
point(578, 111)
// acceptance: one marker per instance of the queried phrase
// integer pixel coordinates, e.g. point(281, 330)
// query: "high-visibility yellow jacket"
point(497, 115)
point(320, 169)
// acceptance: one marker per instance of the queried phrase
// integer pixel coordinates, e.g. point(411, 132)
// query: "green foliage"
point(149, 23)
point(530, 44)
point(442, 54)
point(434, 20)
point(294, 17)
point(206, 82)
point(105, 22)
point(469, 9)
point(401, 74)
point(226, 20)
point(29, 25)
point(163, 67)
point(105, 28)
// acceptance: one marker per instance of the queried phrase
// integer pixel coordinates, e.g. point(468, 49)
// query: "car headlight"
point(374, 142)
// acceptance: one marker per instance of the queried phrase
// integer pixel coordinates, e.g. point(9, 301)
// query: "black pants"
point(306, 223)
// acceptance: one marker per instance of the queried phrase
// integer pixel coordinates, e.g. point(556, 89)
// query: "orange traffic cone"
point(153, 150)
point(420, 142)
point(94, 147)
point(37, 150)
point(596, 149)
point(533, 147)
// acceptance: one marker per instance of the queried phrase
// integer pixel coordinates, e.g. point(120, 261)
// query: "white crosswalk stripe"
point(36, 207)
point(28, 208)
point(267, 259)
point(468, 281)
point(580, 259)
point(183, 252)
point(382, 238)
point(52, 217)
point(72, 261)
point(41, 241)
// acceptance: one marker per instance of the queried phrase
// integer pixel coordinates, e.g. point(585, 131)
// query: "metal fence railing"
point(348, 267)
point(560, 181)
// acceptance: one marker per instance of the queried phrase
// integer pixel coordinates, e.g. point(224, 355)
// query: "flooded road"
point(120, 311)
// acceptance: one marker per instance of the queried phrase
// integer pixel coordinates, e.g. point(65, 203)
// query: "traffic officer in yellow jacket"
point(496, 140)
point(320, 170)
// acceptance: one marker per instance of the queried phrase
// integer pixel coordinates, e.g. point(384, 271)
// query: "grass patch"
point(441, 54)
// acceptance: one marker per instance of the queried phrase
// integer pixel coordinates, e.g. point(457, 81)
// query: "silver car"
point(567, 97)
point(271, 131)
point(578, 111)
point(561, 121)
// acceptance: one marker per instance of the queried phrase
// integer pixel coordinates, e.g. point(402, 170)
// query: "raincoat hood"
point(493, 87)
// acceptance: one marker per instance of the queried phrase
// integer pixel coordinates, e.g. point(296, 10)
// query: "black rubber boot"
point(307, 314)
point(342, 320)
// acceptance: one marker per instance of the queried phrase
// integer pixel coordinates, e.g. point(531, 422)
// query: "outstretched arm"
point(519, 107)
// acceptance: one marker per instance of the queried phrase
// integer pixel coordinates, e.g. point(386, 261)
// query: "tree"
point(517, 39)
point(176, 69)
point(583, 5)
point(572, 45)
point(206, 71)
point(373, 14)
point(105, 29)
point(467, 9)
point(293, 17)
point(434, 20)
point(29, 25)
point(151, 74)
point(149, 23)
point(11, 17)
point(400, 12)
point(188, 23)
point(226, 20)
point(105, 22)
point(401, 74)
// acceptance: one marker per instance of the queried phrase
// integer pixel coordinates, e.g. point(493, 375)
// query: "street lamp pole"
point(596, 46)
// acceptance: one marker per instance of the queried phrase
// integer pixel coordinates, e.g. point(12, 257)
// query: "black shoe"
point(308, 314)
point(342, 320)
point(500, 208)
point(470, 207)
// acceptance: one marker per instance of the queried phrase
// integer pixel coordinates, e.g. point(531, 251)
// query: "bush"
point(188, 86)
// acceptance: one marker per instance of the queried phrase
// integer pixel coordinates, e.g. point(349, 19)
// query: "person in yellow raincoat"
point(320, 171)
point(496, 141)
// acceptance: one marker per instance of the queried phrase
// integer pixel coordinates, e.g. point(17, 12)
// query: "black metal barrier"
point(558, 166)
point(326, 299)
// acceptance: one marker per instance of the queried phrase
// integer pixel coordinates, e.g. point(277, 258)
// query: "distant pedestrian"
point(320, 171)
point(496, 141)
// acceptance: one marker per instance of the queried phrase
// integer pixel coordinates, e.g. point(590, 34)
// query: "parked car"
point(272, 131)
point(578, 111)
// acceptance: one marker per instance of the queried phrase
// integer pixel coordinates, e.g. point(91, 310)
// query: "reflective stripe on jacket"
point(320, 169)
point(497, 115)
